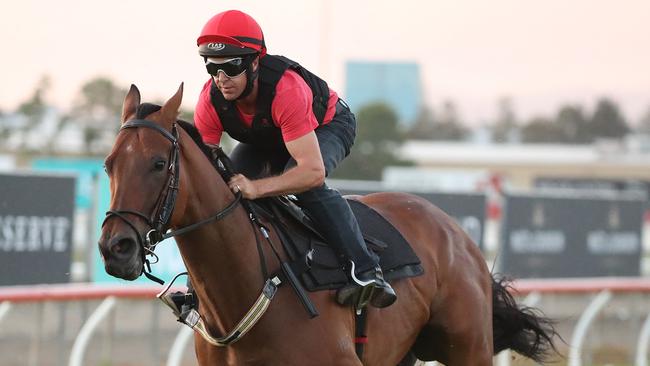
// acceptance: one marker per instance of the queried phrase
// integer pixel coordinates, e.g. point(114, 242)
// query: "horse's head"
point(143, 172)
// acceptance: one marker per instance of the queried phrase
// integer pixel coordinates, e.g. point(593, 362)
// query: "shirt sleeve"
point(291, 108)
point(206, 119)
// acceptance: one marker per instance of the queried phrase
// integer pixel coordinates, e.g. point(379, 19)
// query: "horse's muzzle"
point(122, 257)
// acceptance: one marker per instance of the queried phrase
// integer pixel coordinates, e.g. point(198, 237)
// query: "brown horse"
point(455, 313)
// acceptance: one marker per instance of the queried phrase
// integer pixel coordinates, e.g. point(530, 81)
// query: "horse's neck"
point(221, 257)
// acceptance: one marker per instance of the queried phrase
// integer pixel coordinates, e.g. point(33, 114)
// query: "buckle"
point(189, 299)
point(365, 295)
point(171, 302)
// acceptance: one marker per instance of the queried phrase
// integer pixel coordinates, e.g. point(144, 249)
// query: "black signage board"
point(468, 209)
point(571, 235)
point(593, 184)
point(36, 226)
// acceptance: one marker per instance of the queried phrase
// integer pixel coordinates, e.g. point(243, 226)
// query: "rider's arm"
point(292, 110)
point(308, 173)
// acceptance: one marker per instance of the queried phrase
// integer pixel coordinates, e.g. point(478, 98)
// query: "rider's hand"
point(239, 183)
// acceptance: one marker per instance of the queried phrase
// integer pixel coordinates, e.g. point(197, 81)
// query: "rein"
point(159, 222)
point(159, 219)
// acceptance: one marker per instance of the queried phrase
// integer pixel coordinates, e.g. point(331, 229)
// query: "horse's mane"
point(146, 109)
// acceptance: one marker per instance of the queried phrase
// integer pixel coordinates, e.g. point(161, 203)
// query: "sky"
point(541, 54)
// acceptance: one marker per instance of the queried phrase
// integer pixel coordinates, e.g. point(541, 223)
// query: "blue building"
point(396, 83)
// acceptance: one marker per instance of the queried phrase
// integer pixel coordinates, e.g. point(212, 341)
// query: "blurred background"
point(528, 122)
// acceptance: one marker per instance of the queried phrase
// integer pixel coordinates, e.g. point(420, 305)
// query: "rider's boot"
point(333, 216)
point(368, 287)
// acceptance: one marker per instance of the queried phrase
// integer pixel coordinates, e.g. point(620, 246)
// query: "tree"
point(505, 127)
point(35, 107)
point(607, 121)
point(424, 127)
point(378, 139)
point(541, 130)
point(450, 127)
point(573, 125)
point(644, 124)
point(445, 128)
point(4, 130)
point(97, 111)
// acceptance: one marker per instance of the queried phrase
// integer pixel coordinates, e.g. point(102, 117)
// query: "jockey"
point(293, 131)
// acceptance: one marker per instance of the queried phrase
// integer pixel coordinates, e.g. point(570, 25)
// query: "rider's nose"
point(221, 76)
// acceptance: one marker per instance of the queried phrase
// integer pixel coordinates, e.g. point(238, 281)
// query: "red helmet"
point(231, 33)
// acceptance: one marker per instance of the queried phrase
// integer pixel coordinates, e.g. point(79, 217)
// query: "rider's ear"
point(171, 108)
point(131, 102)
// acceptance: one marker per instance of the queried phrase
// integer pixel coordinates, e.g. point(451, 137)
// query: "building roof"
point(427, 153)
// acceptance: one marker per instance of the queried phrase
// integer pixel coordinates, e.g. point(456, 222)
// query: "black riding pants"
point(325, 206)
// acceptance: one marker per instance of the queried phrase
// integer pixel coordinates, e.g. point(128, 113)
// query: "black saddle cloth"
point(316, 263)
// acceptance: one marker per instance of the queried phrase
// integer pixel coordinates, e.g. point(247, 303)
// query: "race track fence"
point(530, 292)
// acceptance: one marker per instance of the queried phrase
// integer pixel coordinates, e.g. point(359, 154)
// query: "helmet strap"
point(251, 75)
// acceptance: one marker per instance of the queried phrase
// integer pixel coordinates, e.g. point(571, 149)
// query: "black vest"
point(263, 131)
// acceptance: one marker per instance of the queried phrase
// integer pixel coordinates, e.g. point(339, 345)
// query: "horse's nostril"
point(123, 247)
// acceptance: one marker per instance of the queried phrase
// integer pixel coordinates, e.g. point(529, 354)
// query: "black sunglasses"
point(231, 67)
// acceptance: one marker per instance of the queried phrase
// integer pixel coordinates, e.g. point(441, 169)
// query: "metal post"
point(34, 348)
point(577, 339)
point(180, 343)
point(108, 337)
point(5, 306)
point(61, 332)
point(642, 345)
point(155, 333)
point(80, 343)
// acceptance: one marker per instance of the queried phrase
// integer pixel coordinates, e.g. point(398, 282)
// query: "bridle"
point(158, 221)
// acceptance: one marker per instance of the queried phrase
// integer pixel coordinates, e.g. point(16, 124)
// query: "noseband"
point(158, 221)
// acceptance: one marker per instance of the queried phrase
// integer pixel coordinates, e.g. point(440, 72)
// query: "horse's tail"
point(522, 329)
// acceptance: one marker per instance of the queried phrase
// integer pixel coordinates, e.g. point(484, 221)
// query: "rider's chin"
point(229, 93)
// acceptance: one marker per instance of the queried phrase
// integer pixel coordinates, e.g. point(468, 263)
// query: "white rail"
point(5, 306)
point(642, 345)
point(596, 305)
point(80, 343)
point(180, 343)
point(604, 287)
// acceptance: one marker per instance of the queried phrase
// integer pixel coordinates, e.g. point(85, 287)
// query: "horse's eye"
point(159, 165)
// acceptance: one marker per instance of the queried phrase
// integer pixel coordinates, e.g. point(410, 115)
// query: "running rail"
point(5, 306)
point(641, 358)
point(79, 346)
point(17, 294)
point(178, 347)
point(580, 332)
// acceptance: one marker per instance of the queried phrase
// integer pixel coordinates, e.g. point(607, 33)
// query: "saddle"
point(316, 263)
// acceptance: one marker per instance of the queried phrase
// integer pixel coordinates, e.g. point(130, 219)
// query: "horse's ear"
point(131, 102)
point(171, 108)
